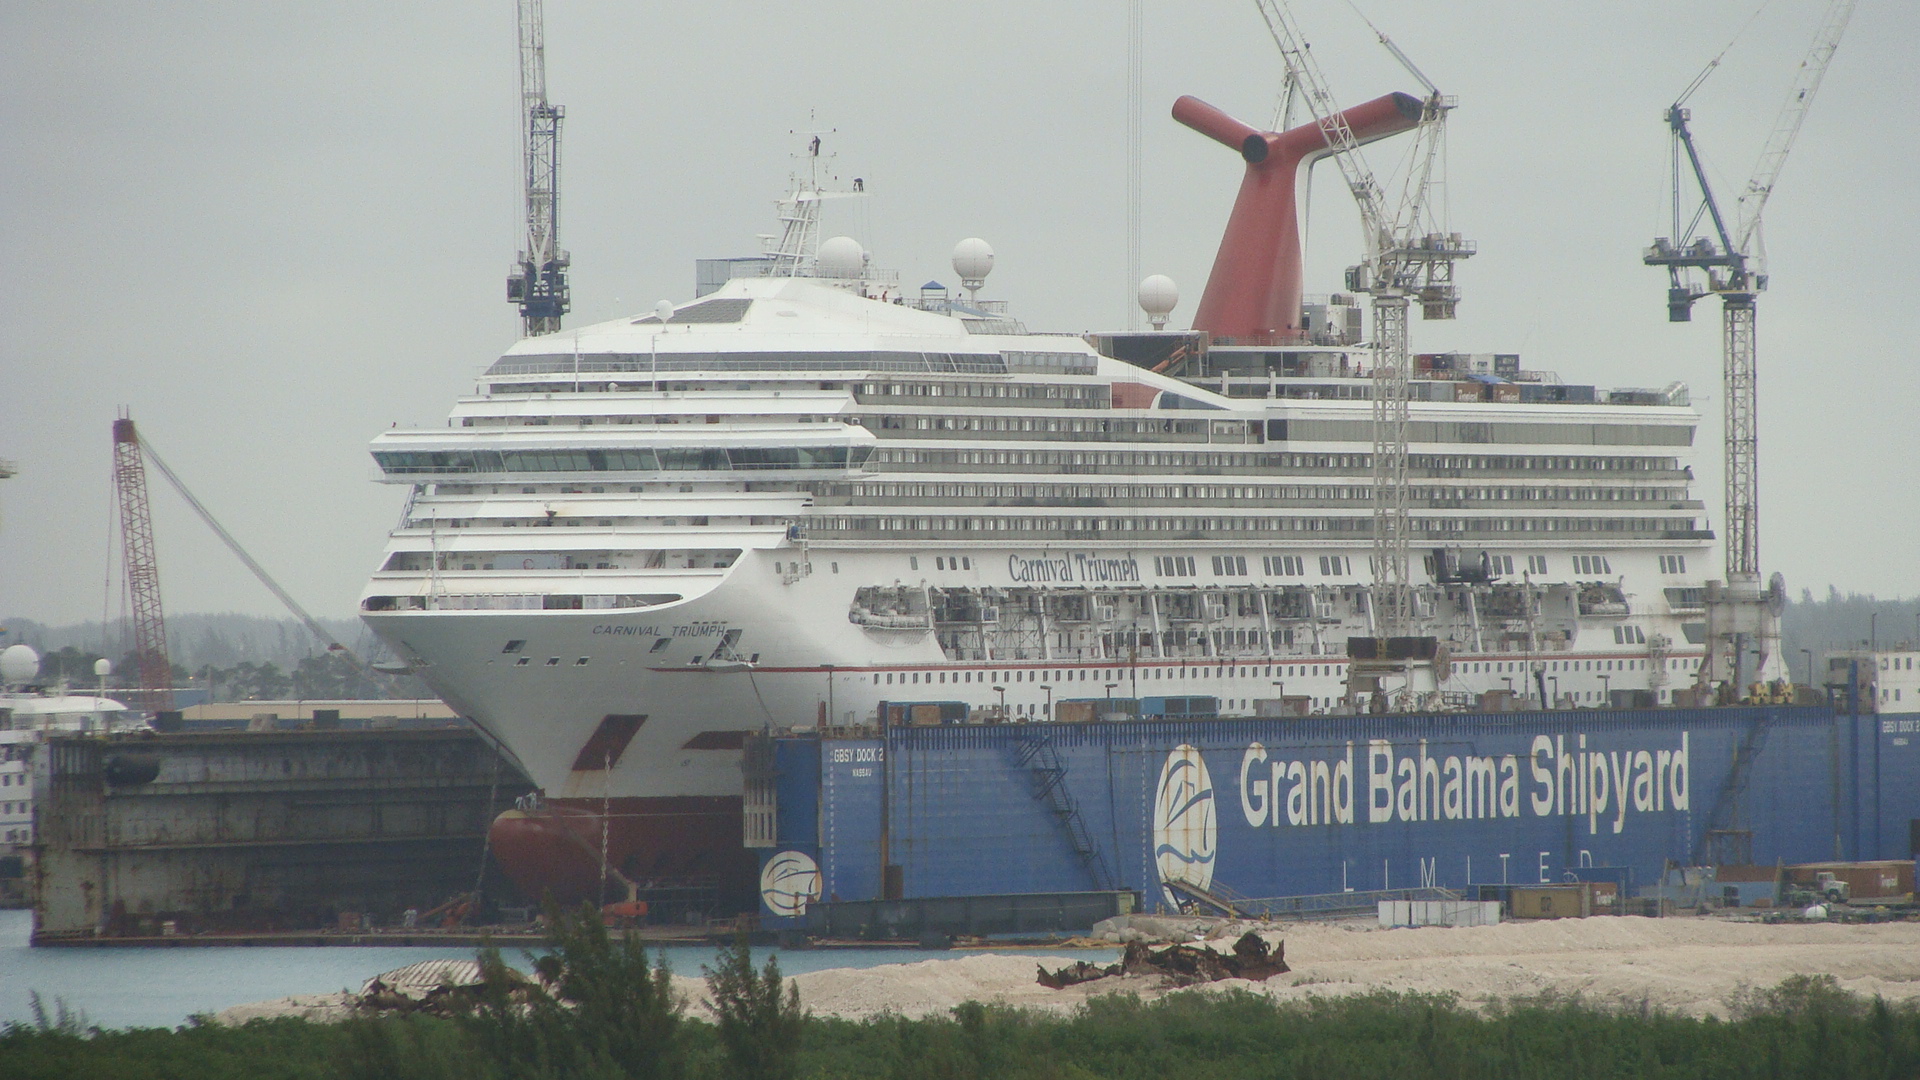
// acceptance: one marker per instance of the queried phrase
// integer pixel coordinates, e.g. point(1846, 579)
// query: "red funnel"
point(1253, 294)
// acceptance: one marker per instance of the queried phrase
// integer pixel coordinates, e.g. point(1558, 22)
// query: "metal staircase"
point(1036, 754)
point(1726, 805)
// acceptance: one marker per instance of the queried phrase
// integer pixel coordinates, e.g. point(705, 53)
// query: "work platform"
point(170, 836)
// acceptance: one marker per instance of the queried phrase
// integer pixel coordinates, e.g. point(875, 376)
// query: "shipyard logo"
point(1184, 828)
point(789, 882)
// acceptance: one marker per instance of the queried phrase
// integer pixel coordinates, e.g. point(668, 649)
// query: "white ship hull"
point(794, 658)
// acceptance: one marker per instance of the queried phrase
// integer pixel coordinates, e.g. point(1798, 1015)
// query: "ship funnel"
point(1253, 294)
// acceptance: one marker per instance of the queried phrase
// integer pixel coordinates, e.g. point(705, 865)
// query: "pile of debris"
point(434, 987)
point(1181, 965)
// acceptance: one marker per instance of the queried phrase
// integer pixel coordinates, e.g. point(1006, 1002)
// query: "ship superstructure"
point(808, 499)
point(800, 497)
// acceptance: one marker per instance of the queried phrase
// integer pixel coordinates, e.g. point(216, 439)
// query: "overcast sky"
point(274, 230)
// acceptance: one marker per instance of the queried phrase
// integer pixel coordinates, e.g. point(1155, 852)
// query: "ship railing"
point(645, 364)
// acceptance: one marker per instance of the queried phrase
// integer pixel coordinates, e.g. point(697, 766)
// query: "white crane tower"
point(1731, 263)
point(538, 283)
point(1407, 257)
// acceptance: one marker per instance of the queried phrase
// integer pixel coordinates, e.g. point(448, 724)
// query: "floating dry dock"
point(1194, 814)
point(176, 835)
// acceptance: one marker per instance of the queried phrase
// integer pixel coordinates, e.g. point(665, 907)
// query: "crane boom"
point(1403, 260)
point(1311, 83)
point(312, 624)
point(1729, 265)
point(1786, 128)
point(538, 283)
point(154, 668)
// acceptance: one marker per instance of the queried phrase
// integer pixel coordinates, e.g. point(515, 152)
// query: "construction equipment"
point(1825, 888)
point(1409, 256)
point(313, 625)
point(152, 667)
point(538, 283)
point(130, 454)
point(1730, 262)
point(453, 913)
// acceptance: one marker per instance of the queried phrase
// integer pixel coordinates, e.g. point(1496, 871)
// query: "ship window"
point(582, 662)
point(661, 644)
point(514, 646)
point(523, 661)
point(553, 661)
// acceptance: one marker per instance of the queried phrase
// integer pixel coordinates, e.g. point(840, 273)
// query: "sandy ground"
point(1689, 965)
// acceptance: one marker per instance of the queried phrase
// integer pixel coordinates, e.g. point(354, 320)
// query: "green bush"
point(607, 1013)
point(602, 1009)
point(758, 1014)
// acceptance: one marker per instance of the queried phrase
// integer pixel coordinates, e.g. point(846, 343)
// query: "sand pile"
point(1689, 965)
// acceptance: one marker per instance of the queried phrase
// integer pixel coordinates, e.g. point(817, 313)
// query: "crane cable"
point(312, 624)
point(1714, 63)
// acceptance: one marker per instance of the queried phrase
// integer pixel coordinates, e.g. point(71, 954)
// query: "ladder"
point(1036, 754)
point(1726, 805)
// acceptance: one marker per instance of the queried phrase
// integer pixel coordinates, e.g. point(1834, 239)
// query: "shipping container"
point(1551, 902)
point(1886, 879)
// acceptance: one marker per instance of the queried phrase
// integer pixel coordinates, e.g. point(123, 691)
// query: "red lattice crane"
point(155, 670)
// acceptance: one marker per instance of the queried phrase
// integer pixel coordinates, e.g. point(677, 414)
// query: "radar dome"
point(19, 664)
point(103, 667)
point(973, 261)
point(1158, 297)
point(841, 257)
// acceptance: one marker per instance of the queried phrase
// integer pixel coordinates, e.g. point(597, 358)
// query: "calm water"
point(162, 987)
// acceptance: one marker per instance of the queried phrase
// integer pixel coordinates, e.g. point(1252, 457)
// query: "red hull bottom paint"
point(688, 847)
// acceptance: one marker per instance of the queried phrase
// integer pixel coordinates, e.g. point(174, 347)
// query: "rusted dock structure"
point(172, 836)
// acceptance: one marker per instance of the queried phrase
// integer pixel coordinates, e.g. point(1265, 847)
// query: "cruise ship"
point(809, 497)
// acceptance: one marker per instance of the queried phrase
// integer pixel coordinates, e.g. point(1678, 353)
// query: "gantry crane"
point(1406, 258)
point(1730, 262)
point(538, 283)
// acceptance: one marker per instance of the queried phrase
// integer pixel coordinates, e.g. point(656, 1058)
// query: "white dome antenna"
point(663, 310)
point(1158, 297)
point(973, 261)
point(19, 665)
point(841, 257)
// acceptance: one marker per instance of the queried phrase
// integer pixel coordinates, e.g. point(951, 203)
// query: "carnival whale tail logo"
point(1185, 830)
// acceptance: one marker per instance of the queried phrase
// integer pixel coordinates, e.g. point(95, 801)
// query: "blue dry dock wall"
point(1285, 807)
point(829, 797)
point(1888, 765)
